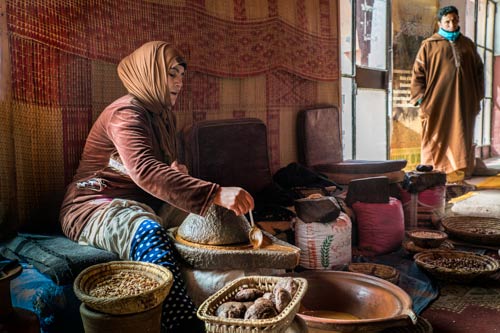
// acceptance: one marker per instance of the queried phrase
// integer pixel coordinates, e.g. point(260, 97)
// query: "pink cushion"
point(381, 226)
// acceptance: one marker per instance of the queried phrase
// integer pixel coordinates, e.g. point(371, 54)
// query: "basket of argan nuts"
point(456, 266)
point(123, 287)
point(385, 272)
point(253, 304)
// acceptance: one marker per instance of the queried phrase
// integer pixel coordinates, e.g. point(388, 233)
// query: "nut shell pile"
point(253, 303)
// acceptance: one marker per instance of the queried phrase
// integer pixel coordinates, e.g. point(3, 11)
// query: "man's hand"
point(234, 198)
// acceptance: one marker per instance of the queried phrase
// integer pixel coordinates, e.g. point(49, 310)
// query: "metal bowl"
point(373, 303)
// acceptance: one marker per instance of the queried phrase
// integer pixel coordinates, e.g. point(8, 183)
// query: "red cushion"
point(381, 226)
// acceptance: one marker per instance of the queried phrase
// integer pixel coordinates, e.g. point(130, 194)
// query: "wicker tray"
point(93, 275)
point(385, 272)
point(477, 230)
point(279, 323)
point(431, 262)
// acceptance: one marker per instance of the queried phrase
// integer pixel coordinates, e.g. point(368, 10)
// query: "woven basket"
point(279, 323)
point(385, 272)
point(89, 278)
point(427, 261)
point(409, 246)
point(477, 230)
point(427, 238)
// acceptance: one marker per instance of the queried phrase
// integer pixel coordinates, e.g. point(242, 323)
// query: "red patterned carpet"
point(465, 309)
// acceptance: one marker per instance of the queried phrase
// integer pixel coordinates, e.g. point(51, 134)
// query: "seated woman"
point(128, 169)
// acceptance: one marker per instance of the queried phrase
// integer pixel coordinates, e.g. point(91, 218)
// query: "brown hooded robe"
point(448, 78)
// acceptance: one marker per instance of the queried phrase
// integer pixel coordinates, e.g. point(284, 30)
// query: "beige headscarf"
point(144, 74)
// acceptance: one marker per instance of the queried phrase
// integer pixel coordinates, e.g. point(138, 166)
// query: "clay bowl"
point(427, 238)
point(338, 301)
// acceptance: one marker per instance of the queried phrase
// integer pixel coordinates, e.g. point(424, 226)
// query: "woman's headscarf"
point(144, 74)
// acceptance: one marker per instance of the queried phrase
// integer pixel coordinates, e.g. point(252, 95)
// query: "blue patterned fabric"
point(152, 244)
point(55, 305)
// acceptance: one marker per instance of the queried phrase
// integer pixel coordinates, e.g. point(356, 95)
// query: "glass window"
point(484, 41)
point(490, 25)
point(469, 19)
point(478, 128)
point(371, 30)
point(487, 122)
point(347, 117)
point(488, 74)
point(481, 22)
point(346, 39)
point(371, 125)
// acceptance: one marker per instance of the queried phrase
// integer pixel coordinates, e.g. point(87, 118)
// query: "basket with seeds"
point(474, 229)
point(456, 266)
point(123, 287)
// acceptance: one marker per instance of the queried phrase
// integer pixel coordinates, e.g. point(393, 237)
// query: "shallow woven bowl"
point(91, 276)
point(385, 272)
point(427, 261)
point(276, 324)
point(473, 229)
point(427, 238)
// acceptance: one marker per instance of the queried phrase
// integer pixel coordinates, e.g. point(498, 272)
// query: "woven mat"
point(465, 309)
point(490, 183)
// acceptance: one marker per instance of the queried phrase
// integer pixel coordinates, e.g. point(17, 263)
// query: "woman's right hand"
point(234, 198)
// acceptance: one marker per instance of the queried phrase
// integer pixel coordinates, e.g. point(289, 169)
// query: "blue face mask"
point(449, 35)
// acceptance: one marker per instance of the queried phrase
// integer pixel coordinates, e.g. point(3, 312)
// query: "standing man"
point(448, 85)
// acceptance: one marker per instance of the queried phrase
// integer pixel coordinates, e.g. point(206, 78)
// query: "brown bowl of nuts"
point(123, 287)
point(427, 238)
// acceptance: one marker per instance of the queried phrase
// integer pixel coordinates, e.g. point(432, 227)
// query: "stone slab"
point(274, 253)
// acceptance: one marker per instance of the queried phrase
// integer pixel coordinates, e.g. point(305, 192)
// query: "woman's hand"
point(234, 198)
point(179, 167)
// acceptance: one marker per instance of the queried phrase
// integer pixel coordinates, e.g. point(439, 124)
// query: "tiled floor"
point(493, 162)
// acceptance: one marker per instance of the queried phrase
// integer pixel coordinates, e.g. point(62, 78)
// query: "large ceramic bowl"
point(353, 302)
